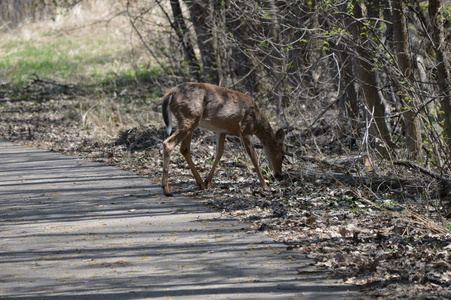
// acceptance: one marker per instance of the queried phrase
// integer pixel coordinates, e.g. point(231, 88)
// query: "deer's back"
point(219, 109)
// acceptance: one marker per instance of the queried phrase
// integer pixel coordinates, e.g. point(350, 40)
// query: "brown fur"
point(225, 112)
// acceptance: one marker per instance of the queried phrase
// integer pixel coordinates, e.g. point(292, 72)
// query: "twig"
point(412, 165)
point(415, 218)
point(5, 24)
point(141, 37)
point(322, 113)
point(39, 80)
point(107, 21)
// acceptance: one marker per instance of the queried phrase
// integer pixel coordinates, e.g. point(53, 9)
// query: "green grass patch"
point(110, 87)
point(94, 60)
point(22, 59)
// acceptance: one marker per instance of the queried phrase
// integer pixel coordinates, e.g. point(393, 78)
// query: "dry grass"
point(88, 47)
point(93, 83)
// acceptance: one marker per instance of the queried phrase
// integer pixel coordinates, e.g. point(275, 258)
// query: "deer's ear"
point(280, 135)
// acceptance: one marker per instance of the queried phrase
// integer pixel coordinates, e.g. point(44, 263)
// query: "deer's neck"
point(265, 134)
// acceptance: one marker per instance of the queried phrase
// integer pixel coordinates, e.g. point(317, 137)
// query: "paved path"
point(72, 229)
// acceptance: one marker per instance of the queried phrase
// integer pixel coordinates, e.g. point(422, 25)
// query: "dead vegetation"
point(373, 227)
point(380, 223)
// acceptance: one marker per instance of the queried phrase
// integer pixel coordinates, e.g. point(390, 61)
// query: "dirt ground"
point(350, 218)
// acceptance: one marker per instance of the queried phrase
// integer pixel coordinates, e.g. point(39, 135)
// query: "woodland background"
point(362, 89)
point(382, 67)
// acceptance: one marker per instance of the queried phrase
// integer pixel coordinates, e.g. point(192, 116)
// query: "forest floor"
point(82, 85)
point(380, 227)
point(75, 229)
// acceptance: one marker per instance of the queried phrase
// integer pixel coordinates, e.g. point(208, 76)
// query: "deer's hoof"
point(166, 192)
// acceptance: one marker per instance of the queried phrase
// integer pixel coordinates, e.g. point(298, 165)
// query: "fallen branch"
point(443, 185)
point(414, 217)
point(38, 80)
point(423, 170)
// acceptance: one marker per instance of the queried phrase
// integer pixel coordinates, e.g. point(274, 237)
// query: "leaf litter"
point(380, 244)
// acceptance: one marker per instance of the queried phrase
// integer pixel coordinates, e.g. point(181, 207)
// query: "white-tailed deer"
point(225, 112)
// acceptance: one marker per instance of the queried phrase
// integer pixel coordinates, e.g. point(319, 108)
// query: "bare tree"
point(182, 32)
point(402, 47)
point(442, 64)
point(368, 82)
point(305, 59)
point(202, 12)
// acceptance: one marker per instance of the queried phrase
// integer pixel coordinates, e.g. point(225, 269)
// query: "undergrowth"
point(114, 86)
point(97, 89)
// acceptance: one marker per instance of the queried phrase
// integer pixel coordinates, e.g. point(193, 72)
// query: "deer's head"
point(275, 153)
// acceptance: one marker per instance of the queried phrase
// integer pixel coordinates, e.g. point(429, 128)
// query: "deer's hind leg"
point(188, 112)
point(168, 146)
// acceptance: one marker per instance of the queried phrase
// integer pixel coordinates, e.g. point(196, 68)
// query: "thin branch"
point(141, 37)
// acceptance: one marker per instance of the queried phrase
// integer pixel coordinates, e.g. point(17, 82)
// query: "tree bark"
point(401, 43)
point(443, 66)
point(347, 102)
point(239, 64)
point(378, 128)
point(182, 32)
point(200, 17)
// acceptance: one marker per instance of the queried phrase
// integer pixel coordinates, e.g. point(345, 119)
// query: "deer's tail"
point(167, 115)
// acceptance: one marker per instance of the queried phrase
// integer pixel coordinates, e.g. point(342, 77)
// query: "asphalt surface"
point(74, 229)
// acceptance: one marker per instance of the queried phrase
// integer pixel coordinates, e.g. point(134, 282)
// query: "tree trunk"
point(347, 102)
point(378, 128)
point(443, 66)
point(200, 16)
point(239, 64)
point(401, 43)
point(182, 32)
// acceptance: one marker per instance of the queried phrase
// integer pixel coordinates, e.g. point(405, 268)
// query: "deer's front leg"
point(220, 138)
point(185, 149)
point(247, 140)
